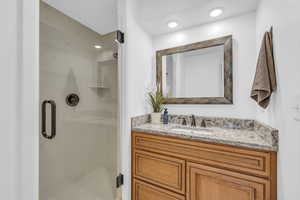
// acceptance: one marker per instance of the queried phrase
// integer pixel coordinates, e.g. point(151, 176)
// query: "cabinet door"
point(144, 191)
point(208, 183)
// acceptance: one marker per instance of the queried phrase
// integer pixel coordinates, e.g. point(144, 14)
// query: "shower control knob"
point(72, 100)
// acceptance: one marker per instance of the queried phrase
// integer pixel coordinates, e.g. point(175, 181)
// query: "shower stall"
point(79, 110)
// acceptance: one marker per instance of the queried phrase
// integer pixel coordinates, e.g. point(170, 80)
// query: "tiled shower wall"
point(80, 162)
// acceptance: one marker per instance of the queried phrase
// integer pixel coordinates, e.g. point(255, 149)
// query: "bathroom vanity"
point(229, 159)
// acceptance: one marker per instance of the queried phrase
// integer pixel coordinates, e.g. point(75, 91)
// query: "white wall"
point(137, 78)
point(284, 110)
point(8, 100)
point(19, 100)
point(244, 51)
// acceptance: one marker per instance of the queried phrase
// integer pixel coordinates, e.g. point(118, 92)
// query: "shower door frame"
point(29, 108)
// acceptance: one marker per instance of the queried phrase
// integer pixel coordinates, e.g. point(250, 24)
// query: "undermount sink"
point(192, 130)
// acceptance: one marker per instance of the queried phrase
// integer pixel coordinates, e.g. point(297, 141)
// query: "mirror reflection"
point(197, 73)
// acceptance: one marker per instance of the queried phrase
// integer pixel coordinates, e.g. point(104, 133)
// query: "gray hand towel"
point(265, 77)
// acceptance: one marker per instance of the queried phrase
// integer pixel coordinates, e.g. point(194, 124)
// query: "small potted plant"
point(156, 100)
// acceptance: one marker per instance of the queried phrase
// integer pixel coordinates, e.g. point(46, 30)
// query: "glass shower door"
point(79, 106)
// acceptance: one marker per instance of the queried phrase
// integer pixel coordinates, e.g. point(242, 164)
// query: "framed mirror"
point(198, 73)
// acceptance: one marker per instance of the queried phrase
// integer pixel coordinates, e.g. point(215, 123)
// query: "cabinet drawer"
point(238, 159)
point(208, 183)
point(163, 171)
point(144, 191)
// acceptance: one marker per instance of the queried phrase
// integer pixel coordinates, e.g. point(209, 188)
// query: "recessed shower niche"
point(101, 76)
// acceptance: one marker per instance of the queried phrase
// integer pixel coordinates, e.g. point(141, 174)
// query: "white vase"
point(155, 118)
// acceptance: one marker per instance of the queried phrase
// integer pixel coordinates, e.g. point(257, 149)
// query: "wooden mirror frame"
point(228, 85)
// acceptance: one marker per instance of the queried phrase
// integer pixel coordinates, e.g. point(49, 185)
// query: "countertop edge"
point(215, 141)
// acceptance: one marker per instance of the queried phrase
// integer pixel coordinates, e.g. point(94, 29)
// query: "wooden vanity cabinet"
point(170, 168)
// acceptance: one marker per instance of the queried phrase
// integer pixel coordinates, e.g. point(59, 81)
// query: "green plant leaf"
point(156, 100)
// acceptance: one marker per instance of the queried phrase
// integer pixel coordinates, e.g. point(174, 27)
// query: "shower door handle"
point(53, 119)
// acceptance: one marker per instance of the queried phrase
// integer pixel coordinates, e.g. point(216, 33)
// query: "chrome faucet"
point(183, 121)
point(203, 123)
point(193, 123)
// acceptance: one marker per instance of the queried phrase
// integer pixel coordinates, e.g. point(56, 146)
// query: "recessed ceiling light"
point(216, 12)
point(97, 46)
point(172, 24)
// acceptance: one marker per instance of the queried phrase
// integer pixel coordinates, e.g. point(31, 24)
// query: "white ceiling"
point(155, 14)
point(99, 15)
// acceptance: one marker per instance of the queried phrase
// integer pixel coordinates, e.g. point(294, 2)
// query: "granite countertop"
point(242, 133)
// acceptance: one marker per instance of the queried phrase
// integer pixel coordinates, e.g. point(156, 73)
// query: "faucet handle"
point(193, 123)
point(183, 122)
point(203, 123)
